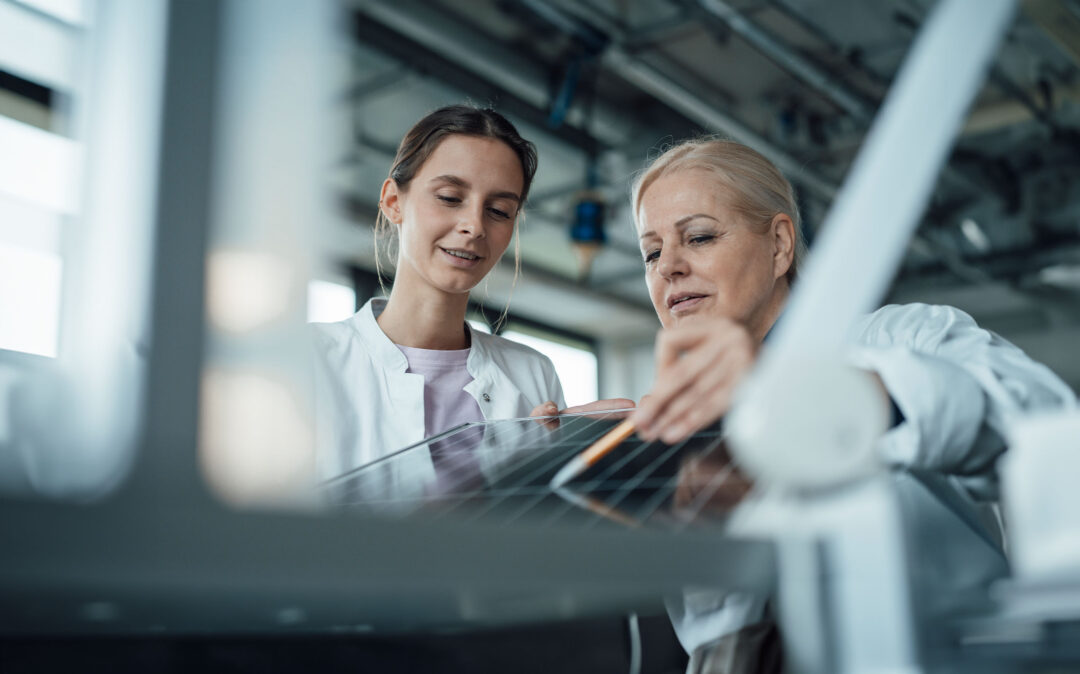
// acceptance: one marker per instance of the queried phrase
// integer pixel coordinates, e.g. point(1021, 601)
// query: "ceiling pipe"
point(439, 71)
point(464, 45)
point(467, 47)
point(1060, 21)
point(858, 106)
point(784, 56)
point(649, 79)
point(706, 112)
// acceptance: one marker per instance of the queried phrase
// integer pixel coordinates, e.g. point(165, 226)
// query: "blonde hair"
point(757, 190)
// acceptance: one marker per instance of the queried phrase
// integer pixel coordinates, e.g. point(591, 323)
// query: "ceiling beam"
point(1014, 265)
point(478, 56)
point(822, 81)
point(710, 115)
point(440, 67)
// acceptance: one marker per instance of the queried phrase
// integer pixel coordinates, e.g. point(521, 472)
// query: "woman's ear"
point(390, 201)
point(783, 233)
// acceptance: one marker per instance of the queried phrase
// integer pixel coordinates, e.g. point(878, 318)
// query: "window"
point(30, 312)
point(80, 86)
point(37, 190)
point(574, 362)
point(329, 302)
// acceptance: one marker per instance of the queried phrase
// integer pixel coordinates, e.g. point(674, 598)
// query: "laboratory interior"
point(743, 336)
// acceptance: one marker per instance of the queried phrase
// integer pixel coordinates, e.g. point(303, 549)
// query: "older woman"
point(719, 233)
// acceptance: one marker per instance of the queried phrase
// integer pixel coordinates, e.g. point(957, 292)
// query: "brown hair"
point(758, 191)
point(425, 136)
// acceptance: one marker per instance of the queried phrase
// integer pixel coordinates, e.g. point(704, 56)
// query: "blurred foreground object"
point(1042, 502)
point(76, 416)
point(256, 444)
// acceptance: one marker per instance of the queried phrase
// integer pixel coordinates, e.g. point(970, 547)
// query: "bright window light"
point(330, 302)
point(30, 312)
point(576, 367)
point(38, 167)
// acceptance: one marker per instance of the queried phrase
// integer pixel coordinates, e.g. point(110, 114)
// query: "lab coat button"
point(486, 398)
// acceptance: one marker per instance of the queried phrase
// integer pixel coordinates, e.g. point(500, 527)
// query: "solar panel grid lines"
point(661, 507)
point(498, 472)
point(497, 437)
point(629, 485)
point(653, 504)
point(638, 482)
point(597, 507)
point(352, 473)
point(585, 432)
point(610, 471)
point(691, 512)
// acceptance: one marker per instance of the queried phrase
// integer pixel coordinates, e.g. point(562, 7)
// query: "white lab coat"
point(958, 387)
point(368, 406)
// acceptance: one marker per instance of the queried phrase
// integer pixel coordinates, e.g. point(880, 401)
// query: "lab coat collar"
point(385, 351)
point(374, 339)
point(479, 352)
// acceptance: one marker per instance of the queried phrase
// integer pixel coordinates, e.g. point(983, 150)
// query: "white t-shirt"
point(367, 405)
point(447, 405)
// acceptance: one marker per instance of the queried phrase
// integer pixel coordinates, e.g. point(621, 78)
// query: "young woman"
point(719, 233)
point(408, 367)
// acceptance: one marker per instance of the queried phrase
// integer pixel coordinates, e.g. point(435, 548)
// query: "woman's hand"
point(698, 367)
point(551, 409)
point(599, 408)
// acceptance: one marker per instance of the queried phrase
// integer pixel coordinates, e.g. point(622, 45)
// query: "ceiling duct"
point(651, 80)
point(787, 58)
point(858, 106)
point(1060, 20)
point(468, 47)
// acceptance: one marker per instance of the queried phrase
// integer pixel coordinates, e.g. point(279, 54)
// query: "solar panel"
point(499, 472)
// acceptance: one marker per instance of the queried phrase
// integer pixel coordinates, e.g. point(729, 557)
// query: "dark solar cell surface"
point(499, 472)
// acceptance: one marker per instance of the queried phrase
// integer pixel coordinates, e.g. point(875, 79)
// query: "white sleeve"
point(957, 385)
point(552, 384)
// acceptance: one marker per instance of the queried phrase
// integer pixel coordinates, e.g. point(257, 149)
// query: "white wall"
point(626, 368)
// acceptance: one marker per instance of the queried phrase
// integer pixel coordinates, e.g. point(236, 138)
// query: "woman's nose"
point(672, 263)
point(472, 223)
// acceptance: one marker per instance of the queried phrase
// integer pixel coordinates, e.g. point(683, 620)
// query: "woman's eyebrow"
point(452, 179)
point(680, 223)
point(465, 184)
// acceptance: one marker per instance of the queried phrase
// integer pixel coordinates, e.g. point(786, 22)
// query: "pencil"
point(580, 463)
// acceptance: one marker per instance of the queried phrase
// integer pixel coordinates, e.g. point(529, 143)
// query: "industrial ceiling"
point(600, 85)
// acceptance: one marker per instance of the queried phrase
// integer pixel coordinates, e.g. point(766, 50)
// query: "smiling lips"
point(684, 301)
point(461, 258)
